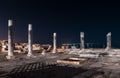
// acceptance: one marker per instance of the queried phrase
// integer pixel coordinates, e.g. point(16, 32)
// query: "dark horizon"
point(66, 18)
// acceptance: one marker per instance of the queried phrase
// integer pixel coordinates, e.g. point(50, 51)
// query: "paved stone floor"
point(46, 67)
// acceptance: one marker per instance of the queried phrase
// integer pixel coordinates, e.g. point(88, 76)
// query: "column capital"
point(109, 34)
point(10, 22)
point(29, 27)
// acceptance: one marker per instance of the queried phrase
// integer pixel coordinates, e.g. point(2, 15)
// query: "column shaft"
point(82, 46)
point(54, 43)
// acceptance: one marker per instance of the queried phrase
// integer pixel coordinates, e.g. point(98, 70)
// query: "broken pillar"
point(108, 41)
point(30, 41)
point(54, 43)
point(10, 40)
point(82, 46)
point(43, 52)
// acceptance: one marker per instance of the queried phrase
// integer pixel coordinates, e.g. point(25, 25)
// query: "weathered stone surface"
point(82, 46)
point(54, 43)
point(10, 40)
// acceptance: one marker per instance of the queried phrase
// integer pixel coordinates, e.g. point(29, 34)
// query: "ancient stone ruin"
point(70, 60)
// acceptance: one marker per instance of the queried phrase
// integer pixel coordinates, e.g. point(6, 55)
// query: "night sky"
point(67, 18)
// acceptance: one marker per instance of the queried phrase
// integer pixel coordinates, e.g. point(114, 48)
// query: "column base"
point(54, 51)
point(43, 53)
point(107, 49)
point(82, 50)
point(10, 57)
point(31, 56)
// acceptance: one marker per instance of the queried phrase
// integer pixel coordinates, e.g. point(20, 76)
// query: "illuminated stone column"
point(10, 40)
point(82, 46)
point(43, 52)
point(108, 41)
point(30, 41)
point(54, 43)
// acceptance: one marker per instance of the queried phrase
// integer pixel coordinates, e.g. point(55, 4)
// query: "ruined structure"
point(66, 46)
point(36, 47)
point(108, 47)
point(74, 55)
point(54, 43)
point(46, 47)
point(23, 47)
point(10, 40)
point(3, 46)
point(30, 41)
point(82, 46)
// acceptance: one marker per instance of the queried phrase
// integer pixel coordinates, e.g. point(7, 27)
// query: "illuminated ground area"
point(47, 66)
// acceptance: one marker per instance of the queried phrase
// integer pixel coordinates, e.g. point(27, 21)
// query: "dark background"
point(67, 18)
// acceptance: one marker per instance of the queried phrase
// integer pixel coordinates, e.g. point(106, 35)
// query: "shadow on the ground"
point(41, 70)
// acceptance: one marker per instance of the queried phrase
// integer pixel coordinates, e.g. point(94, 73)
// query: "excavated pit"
point(74, 61)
